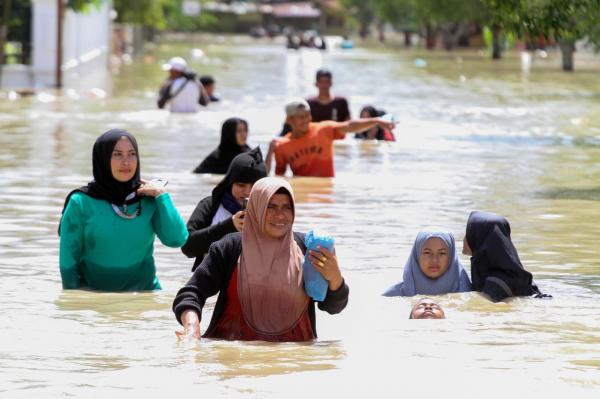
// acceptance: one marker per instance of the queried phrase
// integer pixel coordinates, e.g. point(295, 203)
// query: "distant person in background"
point(496, 269)
point(181, 90)
point(325, 106)
point(427, 308)
point(433, 268)
point(376, 132)
point(308, 148)
point(209, 83)
point(234, 135)
point(222, 212)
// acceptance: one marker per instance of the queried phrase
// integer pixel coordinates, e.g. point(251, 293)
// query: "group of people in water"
point(243, 242)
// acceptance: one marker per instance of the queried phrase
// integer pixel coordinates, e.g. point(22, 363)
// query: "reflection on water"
point(237, 359)
point(472, 134)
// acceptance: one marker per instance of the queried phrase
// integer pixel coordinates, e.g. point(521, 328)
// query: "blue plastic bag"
point(314, 284)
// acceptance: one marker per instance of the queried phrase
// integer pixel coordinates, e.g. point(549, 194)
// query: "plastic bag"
point(314, 284)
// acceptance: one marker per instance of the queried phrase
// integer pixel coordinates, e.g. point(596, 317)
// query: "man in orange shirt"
point(308, 148)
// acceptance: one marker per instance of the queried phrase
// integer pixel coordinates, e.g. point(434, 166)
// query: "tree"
point(4, 28)
point(400, 14)
point(565, 21)
point(452, 19)
point(364, 12)
point(148, 13)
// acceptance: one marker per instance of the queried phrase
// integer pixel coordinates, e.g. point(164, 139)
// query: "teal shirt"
point(103, 251)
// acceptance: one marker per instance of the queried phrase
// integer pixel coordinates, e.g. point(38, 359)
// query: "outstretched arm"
point(359, 125)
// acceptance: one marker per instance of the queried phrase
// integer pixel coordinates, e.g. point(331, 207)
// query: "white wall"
point(86, 43)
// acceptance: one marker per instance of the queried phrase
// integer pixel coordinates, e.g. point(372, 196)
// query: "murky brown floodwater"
point(472, 134)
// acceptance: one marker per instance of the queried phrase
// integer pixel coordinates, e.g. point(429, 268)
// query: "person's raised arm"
point(359, 125)
point(167, 222)
point(326, 264)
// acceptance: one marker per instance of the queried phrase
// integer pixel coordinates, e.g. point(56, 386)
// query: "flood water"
point(472, 134)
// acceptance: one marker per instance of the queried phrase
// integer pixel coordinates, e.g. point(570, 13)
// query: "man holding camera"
point(182, 90)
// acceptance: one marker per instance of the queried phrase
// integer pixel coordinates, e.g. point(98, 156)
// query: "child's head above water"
point(433, 267)
point(434, 256)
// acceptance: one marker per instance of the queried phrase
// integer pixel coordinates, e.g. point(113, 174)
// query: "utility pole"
point(59, 42)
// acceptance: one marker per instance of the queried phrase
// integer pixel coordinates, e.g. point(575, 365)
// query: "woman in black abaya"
point(234, 135)
point(496, 269)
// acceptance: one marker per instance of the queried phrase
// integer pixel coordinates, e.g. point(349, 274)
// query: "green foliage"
point(142, 12)
point(175, 20)
point(17, 49)
point(410, 14)
point(363, 11)
point(84, 5)
point(554, 19)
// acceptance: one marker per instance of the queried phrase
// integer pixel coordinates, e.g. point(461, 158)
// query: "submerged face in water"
point(434, 258)
point(427, 308)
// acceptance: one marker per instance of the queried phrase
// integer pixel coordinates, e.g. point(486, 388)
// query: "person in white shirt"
point(182, 90)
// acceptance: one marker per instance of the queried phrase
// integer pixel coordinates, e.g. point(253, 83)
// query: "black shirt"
point(337, 110)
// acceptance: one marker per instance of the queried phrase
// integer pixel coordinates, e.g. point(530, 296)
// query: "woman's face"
point(123, 162)
point(434, 258)
point(280, 216)
point(366, 114)
point(241, 134)
point(241, 191)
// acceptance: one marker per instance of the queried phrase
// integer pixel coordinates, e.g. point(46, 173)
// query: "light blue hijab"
point(415, 282)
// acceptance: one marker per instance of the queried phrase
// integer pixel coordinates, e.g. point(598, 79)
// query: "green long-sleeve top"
point(103, 251)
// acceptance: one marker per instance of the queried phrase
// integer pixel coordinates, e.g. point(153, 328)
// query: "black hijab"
point(373, 113)
point(496, 269)
point(247, 167)
point(218, 161)
point(105, 186)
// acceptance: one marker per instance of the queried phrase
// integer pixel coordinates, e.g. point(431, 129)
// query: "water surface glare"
point(472, 134)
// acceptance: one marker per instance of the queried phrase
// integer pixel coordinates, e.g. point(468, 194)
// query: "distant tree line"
point(560, 21)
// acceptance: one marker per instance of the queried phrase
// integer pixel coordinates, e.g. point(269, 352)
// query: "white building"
point(86, 40)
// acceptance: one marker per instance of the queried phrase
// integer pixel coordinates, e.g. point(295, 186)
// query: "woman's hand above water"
point(191, 325)
point(150, 190)
point(326, 263)
point(238, 220)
